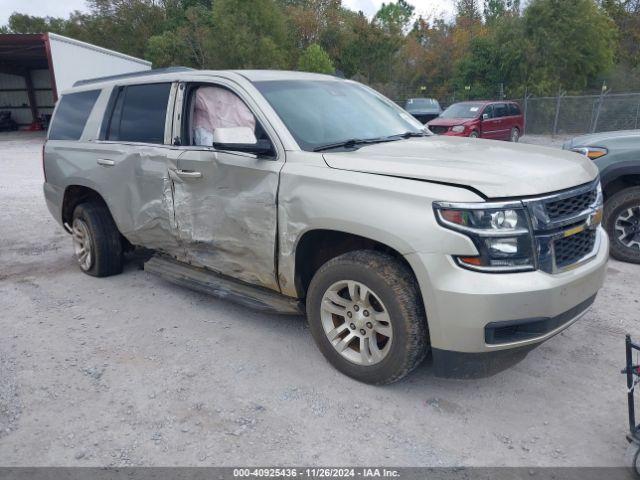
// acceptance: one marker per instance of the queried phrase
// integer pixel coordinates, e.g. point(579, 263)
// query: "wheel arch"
point(73, 196)
point(77, 193)
point(619, 177)
point(315, 247)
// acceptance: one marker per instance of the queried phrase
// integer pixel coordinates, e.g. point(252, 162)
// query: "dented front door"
point(225, 213)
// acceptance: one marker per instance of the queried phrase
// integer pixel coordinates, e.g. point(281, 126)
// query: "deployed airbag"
point(217, 107)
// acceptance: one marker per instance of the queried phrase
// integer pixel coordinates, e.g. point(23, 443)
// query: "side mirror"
point(485, 116)
point(240, 139)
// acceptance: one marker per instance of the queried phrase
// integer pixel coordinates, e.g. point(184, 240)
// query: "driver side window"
point(488, 111)
point(211, 107)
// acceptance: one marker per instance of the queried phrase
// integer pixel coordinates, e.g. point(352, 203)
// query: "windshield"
point(323, 112)
point(421, 103)
point(462, 110)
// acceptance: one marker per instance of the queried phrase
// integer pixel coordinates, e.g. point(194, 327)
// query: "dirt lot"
point(131, 370)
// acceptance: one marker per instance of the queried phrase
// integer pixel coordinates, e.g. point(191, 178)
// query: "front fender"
point(614, 171)
point(396, 212)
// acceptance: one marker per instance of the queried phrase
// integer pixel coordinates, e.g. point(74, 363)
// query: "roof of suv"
point(264, 75)
point(178, 73)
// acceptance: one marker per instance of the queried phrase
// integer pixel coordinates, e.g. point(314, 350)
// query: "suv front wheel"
point(622, 222)
point(96, 240)
point(366, 316)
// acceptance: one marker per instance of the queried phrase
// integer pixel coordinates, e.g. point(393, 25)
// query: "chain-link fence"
point(559, 115)
point(567, 114)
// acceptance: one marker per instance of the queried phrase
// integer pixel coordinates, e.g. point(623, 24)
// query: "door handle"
point(188, 174)
point(106, 162)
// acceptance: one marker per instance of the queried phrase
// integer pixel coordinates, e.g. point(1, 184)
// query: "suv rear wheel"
point(366, 316)
point(622, 222)
point(515, 135)
point(96, 240)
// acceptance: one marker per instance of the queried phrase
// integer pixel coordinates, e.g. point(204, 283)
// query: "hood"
point(599, 139)
point(496, 169)
point(449, 122)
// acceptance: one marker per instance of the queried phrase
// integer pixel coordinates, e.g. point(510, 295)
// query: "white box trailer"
point(35, 68)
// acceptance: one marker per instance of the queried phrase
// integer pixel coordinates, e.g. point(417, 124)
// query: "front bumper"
point(463, 306)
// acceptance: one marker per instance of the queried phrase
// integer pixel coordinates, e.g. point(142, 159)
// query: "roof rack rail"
point(141, 73)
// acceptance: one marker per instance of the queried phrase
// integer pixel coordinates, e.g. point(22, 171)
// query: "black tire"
point(618, 203)
point(394, 283)
point(105, 239)
point(474, 134)
point(632, 459)
point(514, 135)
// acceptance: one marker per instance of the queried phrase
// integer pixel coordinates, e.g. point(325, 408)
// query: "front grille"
point(555, 216)
point(567, 207)
point(571, 249)
point(438, 130)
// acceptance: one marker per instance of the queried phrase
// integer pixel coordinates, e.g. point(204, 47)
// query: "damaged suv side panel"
point(225, 202)
point(226, 218)
point(387, 210)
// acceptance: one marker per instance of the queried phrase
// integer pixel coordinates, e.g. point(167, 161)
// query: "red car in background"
point(494, 120)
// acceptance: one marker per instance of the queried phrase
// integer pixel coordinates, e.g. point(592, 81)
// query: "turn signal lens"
point(477, 261)
point(483, 220)
point(453, 216)
point(591, 152)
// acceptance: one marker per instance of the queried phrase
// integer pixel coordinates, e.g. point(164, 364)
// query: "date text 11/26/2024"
point(316, 472)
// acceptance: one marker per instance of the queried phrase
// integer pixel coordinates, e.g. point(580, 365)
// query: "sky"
point(62, 8)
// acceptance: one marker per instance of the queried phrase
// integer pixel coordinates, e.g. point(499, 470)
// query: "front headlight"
point(458, 128)
point(591, 152)
point(500, 232)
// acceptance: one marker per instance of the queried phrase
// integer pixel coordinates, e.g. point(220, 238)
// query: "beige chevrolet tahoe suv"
point(295, 192)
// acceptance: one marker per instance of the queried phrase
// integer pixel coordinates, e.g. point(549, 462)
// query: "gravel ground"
point(131, 370)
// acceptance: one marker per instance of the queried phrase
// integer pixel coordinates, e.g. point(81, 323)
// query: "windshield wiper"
point(410, 135)
point(354, 142)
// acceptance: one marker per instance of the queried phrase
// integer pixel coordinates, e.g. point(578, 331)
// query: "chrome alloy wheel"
point(82, 244)
point(356, 322)
point(627, 227)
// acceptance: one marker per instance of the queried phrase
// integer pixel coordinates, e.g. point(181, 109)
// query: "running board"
point(219, 286)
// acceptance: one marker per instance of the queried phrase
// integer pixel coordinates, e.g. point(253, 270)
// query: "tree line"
point(489, 48)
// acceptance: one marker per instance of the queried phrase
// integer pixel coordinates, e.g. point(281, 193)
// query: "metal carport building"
point(35, 68)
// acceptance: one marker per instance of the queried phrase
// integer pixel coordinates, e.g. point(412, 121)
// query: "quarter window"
point(139, 113)
point(72, 114)
point(514, 109)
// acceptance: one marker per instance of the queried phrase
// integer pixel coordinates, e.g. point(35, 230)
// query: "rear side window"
point(514, 109)
point(139, 113)
point(500, 110)
point(72, 114)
